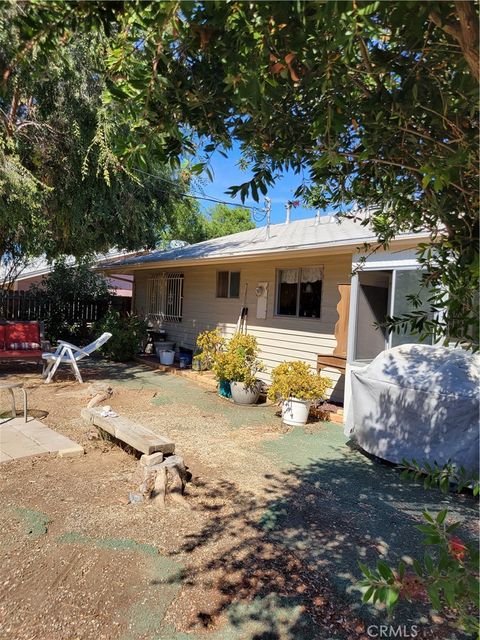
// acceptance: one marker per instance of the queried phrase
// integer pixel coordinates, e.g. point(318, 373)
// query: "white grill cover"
point(418, 402)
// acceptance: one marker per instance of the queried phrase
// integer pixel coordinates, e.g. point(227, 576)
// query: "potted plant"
point(239, 364)
point(296, 386)
point(209, 344)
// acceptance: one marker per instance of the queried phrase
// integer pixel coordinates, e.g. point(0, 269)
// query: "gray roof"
point(327, 232)
point(41, 266)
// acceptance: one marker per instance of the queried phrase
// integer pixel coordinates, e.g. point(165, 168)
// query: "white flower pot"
point(295, 412)
point(243, 395)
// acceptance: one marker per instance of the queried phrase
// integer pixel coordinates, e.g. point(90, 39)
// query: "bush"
point(448, 578)
point(239, 362)
point(128, 334)
point(65, 289)
point(210, 344)
point(295, 380)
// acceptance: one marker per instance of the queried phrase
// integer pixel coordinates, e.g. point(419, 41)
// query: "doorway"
point(378, 294)
point(373, 297)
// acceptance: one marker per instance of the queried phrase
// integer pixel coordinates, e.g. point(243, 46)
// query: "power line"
point(198, 197)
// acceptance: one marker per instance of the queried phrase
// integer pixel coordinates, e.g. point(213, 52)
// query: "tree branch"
point(465, 31)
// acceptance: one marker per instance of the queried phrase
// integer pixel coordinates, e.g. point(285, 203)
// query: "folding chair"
point(70, 354)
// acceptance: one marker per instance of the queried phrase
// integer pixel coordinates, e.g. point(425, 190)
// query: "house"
point(39, 268)
point(296, 281)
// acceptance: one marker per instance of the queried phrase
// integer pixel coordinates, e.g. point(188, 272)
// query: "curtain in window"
point(312, 274)
point(289, 276)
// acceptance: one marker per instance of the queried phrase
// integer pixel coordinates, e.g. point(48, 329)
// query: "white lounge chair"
point(67, 353)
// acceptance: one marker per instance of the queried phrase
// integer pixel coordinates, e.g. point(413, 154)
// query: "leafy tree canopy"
point(372, 102)
point(224, 220)
point(62, 191)
point(191, 225)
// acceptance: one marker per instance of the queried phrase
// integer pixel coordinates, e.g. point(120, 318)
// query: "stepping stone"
point(19, 440)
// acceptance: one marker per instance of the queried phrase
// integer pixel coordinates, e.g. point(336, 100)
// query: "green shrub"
point(210, 344)
point(448, 577)
point(239, 362)
point(296, 380)
point(65, 289)
point(441, 476)
point(128, 335)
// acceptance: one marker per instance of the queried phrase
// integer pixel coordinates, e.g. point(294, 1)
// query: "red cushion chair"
point(21, 341)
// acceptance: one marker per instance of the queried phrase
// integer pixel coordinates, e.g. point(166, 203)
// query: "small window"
point(299, 292)
point(228, 284)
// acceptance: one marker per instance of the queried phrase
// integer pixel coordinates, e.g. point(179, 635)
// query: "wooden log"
point(148, 485)
point(98, 392)
point(177, 477)
point(130, 432)
point(160, 488)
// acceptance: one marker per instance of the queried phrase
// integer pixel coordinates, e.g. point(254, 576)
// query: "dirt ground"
point(267, 547)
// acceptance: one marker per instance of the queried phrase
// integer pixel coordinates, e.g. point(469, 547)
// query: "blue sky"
point(227, 173)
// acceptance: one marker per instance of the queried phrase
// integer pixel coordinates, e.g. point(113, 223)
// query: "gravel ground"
point(266, 548)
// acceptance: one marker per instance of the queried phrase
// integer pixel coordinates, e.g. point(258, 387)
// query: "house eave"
point(332, 248)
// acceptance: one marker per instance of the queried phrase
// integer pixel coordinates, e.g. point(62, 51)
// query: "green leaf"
point(368, 594)
point(441, 516)
point(449, 593)
point(428, 563)
point(384, 570)
point(426, 181)
point(434, 596)
point(391, 598)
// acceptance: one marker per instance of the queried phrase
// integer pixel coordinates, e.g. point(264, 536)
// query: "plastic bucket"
point(163, 346)
point(167, 356)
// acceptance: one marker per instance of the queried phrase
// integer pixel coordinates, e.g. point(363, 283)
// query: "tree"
point(62, 189)
point(375, 102)
point(191, 225)
point(187, 224)
point(223, 220)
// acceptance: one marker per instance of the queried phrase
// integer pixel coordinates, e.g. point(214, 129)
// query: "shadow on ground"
point(290, 569)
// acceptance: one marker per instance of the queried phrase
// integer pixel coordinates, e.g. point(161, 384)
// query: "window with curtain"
point(299, 292)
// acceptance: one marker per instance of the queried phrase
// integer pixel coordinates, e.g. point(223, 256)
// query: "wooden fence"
point(22, 305)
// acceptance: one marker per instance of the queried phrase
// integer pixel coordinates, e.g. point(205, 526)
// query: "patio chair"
point(67, 353)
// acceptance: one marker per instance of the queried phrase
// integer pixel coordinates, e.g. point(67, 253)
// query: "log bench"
point(130, 432)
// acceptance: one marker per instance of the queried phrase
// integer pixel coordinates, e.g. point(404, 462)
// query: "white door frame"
point(382, 261)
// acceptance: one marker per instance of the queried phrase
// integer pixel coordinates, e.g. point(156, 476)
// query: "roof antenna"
point(268, 207)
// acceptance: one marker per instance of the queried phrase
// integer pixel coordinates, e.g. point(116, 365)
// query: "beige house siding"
point(280, 338)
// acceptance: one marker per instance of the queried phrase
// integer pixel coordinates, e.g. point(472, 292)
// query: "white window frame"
point(228, 297)
point(165, 297)
point(277, 292)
